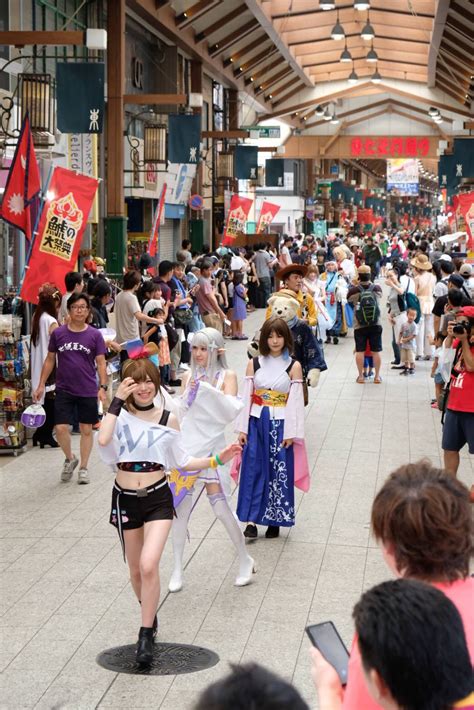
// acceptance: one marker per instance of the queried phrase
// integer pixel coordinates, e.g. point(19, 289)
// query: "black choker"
point(146, 408)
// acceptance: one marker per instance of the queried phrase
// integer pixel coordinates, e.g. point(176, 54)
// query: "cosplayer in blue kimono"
point(333, 306)
point(271, 427)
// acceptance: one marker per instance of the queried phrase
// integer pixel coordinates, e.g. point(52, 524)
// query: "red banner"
point(465, 203)
point(63, 220)
point(267, 215)
point(23, 183)
point(236, 219)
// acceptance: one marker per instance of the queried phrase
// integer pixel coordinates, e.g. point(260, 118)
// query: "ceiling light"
point(433, 111)
point(326, 115)
point(376, 77)
point(326, 5)
point(319, 111)
point(368, 32)
point(334, 119)
point(372, 55)
point(338, 30)
point(361, 5)
point(346, 56)
point(352, 78)
point(438, 119)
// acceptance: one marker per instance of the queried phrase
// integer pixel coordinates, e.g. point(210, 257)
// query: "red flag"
point(23, 183)
point(464, 202)
point(236, 219)
point(267, 215)
point(63, 220)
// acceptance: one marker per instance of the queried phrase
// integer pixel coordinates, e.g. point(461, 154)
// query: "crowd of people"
point(161, 427)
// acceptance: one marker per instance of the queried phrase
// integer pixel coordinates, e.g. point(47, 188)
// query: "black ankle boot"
point(155, 623)
point(145, 646)
point(272, 531)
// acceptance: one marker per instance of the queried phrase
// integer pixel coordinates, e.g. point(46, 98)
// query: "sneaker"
point(83, 476)
point(68, 469)
point(184, 366)
point(411, 371)
point(404, 371)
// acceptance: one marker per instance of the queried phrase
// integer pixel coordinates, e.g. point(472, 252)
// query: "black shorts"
point(458, 430)
point(136, 510)
point(65, 405)
point(371, 333)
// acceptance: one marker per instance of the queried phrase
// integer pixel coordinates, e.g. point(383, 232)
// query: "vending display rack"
point(12, 386)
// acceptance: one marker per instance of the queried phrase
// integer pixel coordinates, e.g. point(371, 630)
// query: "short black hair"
point(250, 686)
point(455, 297)
point(447, 267)
point(101, 288)
point(78, 297)
point(131, 279)
point(71, 280)
point(164, 267)
point(413, 636)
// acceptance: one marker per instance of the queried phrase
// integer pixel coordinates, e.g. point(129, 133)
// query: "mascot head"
point(283, 305)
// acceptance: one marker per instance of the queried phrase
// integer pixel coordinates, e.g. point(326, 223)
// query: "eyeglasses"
point(79, 308)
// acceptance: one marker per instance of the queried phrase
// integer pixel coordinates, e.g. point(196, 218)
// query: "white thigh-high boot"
point(223, 513)
point(178, 533)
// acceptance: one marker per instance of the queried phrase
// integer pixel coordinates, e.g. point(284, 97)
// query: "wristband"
point(213, 462)
point(116, 406)
point(219, 462)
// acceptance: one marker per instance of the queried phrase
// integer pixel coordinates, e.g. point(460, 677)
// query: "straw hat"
point(422, 262)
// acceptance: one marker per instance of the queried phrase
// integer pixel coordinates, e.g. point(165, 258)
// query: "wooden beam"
point(234, 37)
point(455, 39)
point(255, 61)
point(290, 94)
point(436, 37)
point(185, 18)
point(25, 38)
point(257, 76)
point(220, 135)
point(235, 56)
point(155, 99)
point(469, 125)
point(274, 80)
point(422, 120)
point(352, 112)
point(220, 23)
point(281, 89)
point(324, 148)
point(317, 100)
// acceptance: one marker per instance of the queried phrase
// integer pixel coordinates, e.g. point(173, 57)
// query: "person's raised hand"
point(229, 452)
point(126, 388)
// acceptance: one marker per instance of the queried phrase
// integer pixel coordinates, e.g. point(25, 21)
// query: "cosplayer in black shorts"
point(141, 506)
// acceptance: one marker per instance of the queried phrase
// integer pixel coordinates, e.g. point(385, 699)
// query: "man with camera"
point(458, 428)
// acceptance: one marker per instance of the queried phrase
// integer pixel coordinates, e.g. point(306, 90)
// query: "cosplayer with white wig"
point(208, 404)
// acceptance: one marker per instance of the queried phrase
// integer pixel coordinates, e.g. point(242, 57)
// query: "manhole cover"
point(169, 659)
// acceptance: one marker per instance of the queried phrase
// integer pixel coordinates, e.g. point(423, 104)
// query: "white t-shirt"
point(63, 308)
point(237, 263)
point(407, 283)
point(39, 351)
point(151, 305)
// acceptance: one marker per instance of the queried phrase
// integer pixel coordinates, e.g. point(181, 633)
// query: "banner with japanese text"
point(267, 215)
point(465, 203)
point(236, 218)
point(62, 223)
point(158, 221)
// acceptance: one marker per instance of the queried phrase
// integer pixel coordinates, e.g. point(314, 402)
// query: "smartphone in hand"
point(328, 642)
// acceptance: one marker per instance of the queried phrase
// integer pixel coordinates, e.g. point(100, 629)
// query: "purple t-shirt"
point(76, 353)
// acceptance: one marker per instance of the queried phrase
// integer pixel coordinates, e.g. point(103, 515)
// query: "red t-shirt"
point(461, 391)
point(461, 593)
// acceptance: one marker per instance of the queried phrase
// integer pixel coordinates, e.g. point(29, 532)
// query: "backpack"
point(412, 302)
point(367, 309)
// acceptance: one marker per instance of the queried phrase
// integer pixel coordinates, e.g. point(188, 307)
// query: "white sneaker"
point(83, 476)
point(183, 366)
point(68, 469)
point(176, 581)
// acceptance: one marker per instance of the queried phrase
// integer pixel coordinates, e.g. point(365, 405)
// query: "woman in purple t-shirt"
point(77, 350)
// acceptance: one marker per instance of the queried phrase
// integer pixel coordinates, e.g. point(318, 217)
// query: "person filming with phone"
point(458, 428)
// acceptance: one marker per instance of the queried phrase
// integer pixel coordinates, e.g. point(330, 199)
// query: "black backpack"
point(367, 309)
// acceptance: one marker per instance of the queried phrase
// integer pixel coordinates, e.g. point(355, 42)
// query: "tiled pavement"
point(64, 592)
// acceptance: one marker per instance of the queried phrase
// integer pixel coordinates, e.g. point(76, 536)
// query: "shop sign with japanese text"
point(390, 147)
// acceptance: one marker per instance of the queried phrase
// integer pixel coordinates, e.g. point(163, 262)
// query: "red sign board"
point(390, 147)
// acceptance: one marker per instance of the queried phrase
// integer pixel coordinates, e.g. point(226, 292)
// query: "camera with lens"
point(461, 328)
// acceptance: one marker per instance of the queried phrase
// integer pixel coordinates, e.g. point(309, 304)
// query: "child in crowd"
point(239, 310)
point(407, 343)
point(159, 335)
point(435, 371)
point(368, 361)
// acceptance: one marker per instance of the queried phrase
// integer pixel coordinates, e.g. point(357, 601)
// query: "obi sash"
point(269, 398)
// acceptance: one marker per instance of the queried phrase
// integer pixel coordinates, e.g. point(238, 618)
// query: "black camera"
point(461, 328)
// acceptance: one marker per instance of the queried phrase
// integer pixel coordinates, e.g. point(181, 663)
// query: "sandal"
point(360, 381)
point(377, 380)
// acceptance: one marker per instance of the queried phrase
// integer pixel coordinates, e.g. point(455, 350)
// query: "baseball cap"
point(465, 270)
point(456, 280)
point(445, 257)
